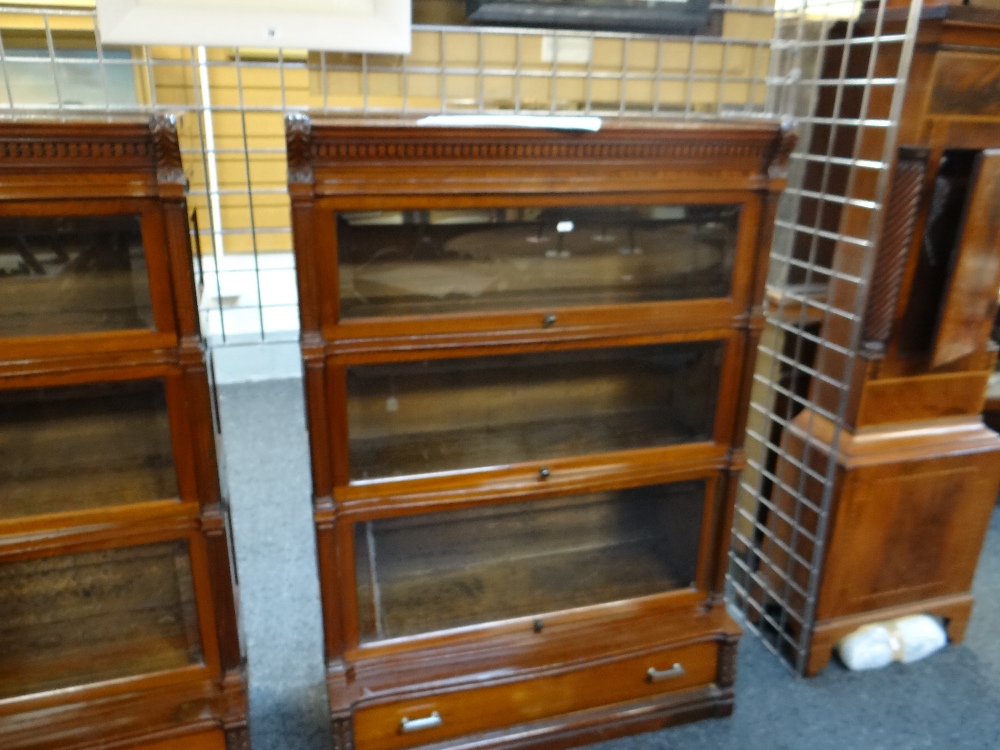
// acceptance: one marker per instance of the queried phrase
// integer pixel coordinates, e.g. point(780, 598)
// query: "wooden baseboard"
point(954, 609)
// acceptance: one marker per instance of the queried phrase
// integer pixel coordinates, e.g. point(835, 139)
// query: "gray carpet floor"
point(950, 700)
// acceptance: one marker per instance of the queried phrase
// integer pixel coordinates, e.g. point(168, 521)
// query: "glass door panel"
point(84, 446)
point(72, 274)
point(442, 570)
point(439, 415)
point(92, 616)
point(450, 261)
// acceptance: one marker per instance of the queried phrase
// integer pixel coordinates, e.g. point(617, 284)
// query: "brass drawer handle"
point(416, 725)
point(658, 675)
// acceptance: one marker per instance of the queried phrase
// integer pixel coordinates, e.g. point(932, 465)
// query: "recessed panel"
point(443, 570)
point(440, 415)
point(453, 261)
point(84, 446)
point(72, 275)
point(93, 616)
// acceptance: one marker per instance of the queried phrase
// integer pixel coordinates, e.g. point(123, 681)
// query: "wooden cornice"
point(340, 154)
point(133, 149)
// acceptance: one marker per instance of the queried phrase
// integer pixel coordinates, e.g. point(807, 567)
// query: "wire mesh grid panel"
point(845, 80)
point(231, 105)
point(767, 61)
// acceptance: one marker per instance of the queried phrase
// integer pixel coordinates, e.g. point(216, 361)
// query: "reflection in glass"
point(87, 446)
point(76, 77)
point(441, 570)
point(440, 415)
point(92, 616)
point(66, 275)
point(422, 262)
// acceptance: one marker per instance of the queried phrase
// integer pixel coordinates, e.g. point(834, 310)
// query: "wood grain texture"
point(910, 512)
point(114, 548)
point(123, 720)
point(94, 616)
point(885, 401)
point(954, 610)
point(746, 146)
point(966, 84)
point(515, 653)
point(894, 245)
point(475, 711)
point(915, 473)
point(166, 149)
point(971, 299)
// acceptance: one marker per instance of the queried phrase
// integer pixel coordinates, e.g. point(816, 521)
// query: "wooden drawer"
point(432, 719)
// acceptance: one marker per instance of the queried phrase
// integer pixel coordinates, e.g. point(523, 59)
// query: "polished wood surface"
point(526, 368)
point(970, 307)
point(473, 711)
point(119, 626)
point(911, 506)
point(953, 611)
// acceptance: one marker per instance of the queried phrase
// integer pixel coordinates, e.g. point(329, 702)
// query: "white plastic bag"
point(921, 635)
point(906, 640)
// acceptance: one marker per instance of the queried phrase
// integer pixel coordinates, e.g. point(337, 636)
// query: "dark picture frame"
point(643, 16)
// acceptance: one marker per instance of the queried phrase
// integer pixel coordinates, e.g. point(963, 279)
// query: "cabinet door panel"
point(422, 417)
point(441, 570)
point(970, 304)
point(92, 616)
point(73, 274)
point(452, 261)
point(88, 446)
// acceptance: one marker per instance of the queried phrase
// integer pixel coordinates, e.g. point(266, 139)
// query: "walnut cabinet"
point(117, 599)
point(917, 471)
point(527, 357)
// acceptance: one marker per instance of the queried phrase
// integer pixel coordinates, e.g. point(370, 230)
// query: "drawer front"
point(433, 719)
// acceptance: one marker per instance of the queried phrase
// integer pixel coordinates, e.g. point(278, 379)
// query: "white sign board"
point(334, 25)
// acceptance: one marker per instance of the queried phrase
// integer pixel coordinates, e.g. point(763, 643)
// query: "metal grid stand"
point(772, 585)
point(766, 63)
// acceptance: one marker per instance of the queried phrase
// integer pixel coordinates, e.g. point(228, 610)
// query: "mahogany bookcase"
point(527, 360)
point(118, 618)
